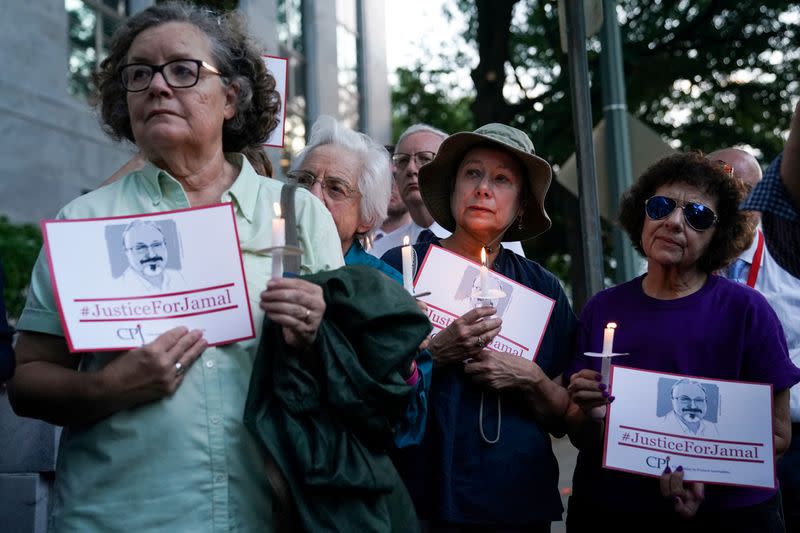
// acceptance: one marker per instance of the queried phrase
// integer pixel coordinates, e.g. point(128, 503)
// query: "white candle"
point(608, 338)
point(484, 275)
point(278, 227)
point(278, 241)
point(405, 251)
point(605, 370)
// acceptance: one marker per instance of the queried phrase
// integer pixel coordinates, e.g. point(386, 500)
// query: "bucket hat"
point(436, 179)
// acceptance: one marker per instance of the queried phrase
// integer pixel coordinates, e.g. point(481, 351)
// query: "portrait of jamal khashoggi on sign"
point(145, 256)
point(139, 276)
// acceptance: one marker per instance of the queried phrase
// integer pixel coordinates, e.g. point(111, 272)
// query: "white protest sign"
point(453, 284)
point(279, 68)
point(120, 282)
point(719, 431)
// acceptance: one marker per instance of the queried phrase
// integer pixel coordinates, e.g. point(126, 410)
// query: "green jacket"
point(327, 417)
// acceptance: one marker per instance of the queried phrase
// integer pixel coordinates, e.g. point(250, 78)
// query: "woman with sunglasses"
point(682, 216)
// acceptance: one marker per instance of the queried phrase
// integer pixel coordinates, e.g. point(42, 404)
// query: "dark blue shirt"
point(456, 477)
point(357, 256)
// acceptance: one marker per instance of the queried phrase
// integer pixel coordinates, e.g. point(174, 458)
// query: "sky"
point(417, 29)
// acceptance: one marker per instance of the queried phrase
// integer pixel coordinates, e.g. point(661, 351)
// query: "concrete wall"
point(53, 147)
point(375, 96)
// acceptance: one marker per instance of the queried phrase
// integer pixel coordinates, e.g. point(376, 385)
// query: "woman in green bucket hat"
point(486, 461)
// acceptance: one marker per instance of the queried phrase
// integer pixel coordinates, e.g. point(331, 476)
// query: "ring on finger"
point(179, 368)
point(479, 341)
point(308, 314)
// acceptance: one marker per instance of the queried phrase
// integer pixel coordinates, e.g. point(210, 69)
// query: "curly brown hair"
point(734, 228)
point(235, 55)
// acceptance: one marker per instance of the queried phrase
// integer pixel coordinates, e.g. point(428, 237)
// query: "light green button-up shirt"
point(185, 463)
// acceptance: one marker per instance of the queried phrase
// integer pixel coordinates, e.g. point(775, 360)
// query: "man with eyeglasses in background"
point(146, 249)
point(417, 146)
point(397, 213)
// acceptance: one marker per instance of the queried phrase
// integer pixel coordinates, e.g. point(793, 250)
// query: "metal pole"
point(582, 124)
point(618, 152)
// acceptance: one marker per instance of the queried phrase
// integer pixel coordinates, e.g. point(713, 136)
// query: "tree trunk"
point(494, 32)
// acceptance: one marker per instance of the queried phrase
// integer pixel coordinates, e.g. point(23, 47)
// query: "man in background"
point(397, 213)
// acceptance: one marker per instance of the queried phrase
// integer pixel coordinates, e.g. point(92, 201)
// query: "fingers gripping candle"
point(278, 241)
point(406, 251)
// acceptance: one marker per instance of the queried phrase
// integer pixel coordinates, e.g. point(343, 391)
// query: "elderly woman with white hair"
point(351, 174)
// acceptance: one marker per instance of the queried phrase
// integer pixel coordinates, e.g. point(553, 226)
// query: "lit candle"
point(484, 275)
point(278, 227)
point(278, 241)
point(406, 251)
point(608, 338)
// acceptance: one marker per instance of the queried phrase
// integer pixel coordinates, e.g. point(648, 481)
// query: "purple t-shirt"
point(723, 331)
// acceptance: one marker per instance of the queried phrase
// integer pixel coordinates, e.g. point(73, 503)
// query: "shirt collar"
point(243, 193)
point(748, 254)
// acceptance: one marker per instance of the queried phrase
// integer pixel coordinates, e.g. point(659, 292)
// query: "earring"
point(519, 222)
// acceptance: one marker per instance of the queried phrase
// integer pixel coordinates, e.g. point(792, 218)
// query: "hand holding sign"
point(686, 496)
point(465, 337)
point(155, 370)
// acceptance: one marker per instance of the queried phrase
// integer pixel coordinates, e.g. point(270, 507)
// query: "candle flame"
point(276, 206)
point(406, 240)
point(611, 325)
point(483, 256)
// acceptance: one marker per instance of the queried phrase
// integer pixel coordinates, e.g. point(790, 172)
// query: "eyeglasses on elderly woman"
point(336, 189)
point(179, 74)
point(697, 215)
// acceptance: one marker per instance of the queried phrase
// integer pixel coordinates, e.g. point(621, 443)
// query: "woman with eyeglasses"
point(679, 317)
point(351, 174)
point(153, 437)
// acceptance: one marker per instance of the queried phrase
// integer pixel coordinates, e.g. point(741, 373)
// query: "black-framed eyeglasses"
point(179, 74)
point(700, 217)
point(401, 160)
point(336, 189)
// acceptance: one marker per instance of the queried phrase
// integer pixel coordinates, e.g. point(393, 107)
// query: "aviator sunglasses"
point(698, 216)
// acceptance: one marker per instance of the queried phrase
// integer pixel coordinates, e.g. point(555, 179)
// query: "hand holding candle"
point(278, 241)
point(605, 355)
point(406, 251)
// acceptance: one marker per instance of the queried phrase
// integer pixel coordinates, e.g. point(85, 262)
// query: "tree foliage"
point(708, 73)
point(19, 247)
point(425, 96)
point(703, 73)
